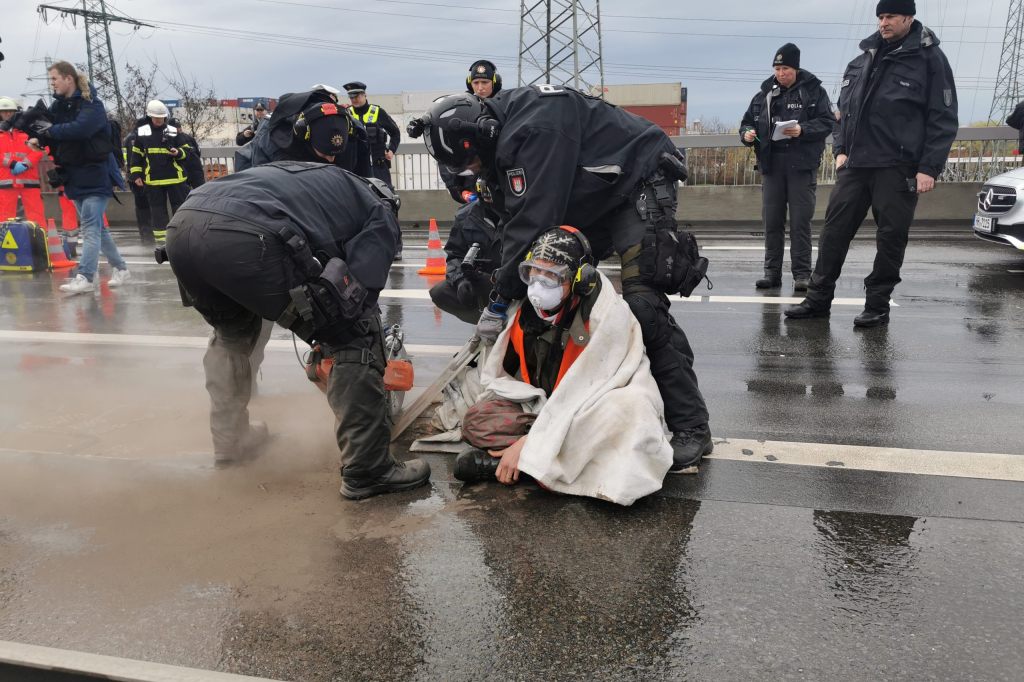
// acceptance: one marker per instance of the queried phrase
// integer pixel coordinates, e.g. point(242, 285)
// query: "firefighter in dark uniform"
point(310, 246)
point(789, 167)
point(382, 134)
point(554, 156)
point(898, 121)
point(158, 162)
point(466, 288)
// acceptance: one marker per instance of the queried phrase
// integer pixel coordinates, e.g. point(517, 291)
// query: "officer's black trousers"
point(885, 192)
point(236, 278)
point(445, 296)
point(142, 213)
point(667, 346)
point(159, 196)
point(795, 189)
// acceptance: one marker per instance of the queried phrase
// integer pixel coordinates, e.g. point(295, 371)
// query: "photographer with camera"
point(78, 136)
point(158, 162)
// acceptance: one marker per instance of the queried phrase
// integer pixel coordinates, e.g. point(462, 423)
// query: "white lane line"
point(997, 467)
point(153, 341)
point(1016, 272)
point(424, 294)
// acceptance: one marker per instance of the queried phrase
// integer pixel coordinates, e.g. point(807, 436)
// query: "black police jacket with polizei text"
point(808, 104)
point(903, 115)
point(563, 158)
point(336, 211)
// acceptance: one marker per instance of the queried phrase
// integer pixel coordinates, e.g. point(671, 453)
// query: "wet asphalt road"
point(116, 536)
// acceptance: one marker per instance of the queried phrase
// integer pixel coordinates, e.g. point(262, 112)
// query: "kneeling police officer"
point(309, 246)
point(554, 156)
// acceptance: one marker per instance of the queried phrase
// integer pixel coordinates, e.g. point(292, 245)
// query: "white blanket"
point(602, 432)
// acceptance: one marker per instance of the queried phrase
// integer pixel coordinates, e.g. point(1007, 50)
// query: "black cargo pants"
point(667, 346)
point(885, 191)
point(794, 189)
point(238, 275)
point(158, 196)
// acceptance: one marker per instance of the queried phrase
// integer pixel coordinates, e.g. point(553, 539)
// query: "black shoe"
point(688, 446)
point(871, 318)
point(804, 311)
point(801, 283)
point(398, 255)
point(402, 476)
point(248, 447)
point(768, 283)
point(474, 464)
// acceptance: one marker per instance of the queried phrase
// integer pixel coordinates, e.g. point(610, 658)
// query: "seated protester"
point(467, 281)
point(574, 356)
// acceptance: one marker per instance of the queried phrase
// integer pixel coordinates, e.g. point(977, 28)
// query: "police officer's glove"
point(18, 168)
point(465, 292)
point(492, 321)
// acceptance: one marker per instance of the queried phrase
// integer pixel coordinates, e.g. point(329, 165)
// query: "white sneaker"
point(119, 277)
point(79, 285)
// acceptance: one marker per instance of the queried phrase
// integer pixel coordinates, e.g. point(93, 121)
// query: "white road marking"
point(1016, 272)
point(153, 341)
point(998, 467)
point(424, 294)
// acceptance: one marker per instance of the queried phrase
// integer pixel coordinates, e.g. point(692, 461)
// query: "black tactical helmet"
point(456, 129)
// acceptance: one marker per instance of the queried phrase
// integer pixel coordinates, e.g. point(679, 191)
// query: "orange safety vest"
point(569, 355)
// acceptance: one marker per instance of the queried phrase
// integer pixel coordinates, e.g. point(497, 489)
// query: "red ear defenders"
point(585, 280)
point(313, 113)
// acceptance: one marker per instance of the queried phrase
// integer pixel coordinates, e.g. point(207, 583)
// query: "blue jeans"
point(94, 237)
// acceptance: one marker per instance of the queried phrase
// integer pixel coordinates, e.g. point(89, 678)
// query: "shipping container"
point(644, 94)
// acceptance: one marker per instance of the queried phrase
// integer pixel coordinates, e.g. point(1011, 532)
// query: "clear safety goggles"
point(548, 275)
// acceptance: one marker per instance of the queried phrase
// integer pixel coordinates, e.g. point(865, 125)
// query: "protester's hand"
point(793, 131)
point(492, 321)
point(19, 168)
point(749, 136)
point(840, 161)
point(508, 467)
point(388, 154)
point(925, 183)
point(139, 182)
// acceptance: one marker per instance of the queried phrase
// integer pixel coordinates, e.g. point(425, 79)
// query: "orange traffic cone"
point(435, 253)
point(55, 248)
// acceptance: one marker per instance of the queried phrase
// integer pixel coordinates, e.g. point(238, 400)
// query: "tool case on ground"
point(22, 247)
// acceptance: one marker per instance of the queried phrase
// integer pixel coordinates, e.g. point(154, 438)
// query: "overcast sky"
point(247, 48)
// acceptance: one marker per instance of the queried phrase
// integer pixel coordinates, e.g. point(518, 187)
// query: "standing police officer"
point(382, 134)
point(789, 167)
point(310, 246)
point(898, 120)
point(554, 156)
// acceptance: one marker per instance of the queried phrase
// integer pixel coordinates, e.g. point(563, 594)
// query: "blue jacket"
point(78, 119)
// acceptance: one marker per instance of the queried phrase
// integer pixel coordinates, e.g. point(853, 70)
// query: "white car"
point(1000, 216)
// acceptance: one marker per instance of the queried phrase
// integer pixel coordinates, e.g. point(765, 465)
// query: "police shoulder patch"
point(947, 97)
point(517, 181)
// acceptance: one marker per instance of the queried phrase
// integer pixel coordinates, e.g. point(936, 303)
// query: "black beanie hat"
point(787, 55)
point(904, 7)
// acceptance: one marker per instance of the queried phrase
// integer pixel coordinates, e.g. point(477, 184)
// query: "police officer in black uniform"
point(473, 252)
point(484, 81)
point(554, 156)
point(789, 167)
point(898, 121)
point(308, 245)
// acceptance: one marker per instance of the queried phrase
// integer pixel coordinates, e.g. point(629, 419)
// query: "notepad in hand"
point(779, 127)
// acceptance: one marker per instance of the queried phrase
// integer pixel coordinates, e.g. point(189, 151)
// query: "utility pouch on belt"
point(348, 293)
point(670, 261)
point(673, 167)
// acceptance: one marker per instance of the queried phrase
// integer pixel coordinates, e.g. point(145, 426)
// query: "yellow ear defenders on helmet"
point(585, 280)
point(495, 77)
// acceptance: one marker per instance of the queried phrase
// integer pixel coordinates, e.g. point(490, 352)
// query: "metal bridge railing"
point(977, 154)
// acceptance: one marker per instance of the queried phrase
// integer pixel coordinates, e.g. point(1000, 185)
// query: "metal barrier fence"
point(977, 154)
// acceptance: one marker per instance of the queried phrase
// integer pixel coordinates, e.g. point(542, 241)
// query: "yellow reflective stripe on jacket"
point(180, 176)
point(371, 115)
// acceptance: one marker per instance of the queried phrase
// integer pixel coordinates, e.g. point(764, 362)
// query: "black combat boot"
point(474, 464)
point(401, 476)
point(871, 318)
point(688, 446)
point(801, 283)
point(768, 282)
point(246, 448)
point(805, 311)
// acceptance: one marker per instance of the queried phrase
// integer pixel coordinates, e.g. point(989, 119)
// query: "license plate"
point(983, 223)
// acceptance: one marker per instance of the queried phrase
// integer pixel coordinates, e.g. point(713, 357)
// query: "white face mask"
point(543, 297)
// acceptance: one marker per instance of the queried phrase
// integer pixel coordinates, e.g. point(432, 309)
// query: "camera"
point(56, 177)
